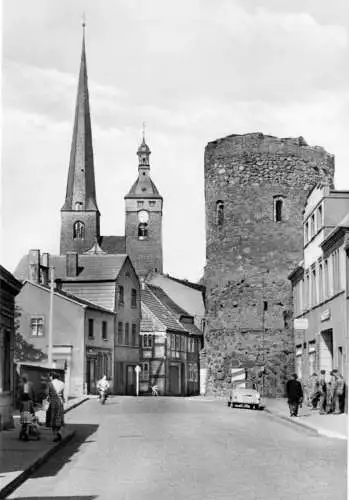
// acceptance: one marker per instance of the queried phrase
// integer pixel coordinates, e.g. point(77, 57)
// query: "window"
point(306, 229)
point(104, 330)
point(319, 217)
point(142, 230)
point(121, 295)
point(326, 280)
point(220, 213)
point(313, 288)
point(278, 210)
point(306, 291)
point(336, 271)
point(140, 203)
point(37, 327)
point(147, 340)
point(127, 334)
point(144, 371)
point(152, 203)
point(79, 230)
point(90, 328)
point(120, 332)
point(134, 335)
point(203, 325)
point(321, 283)
point(78, 205)
point(312, 225)
point(134, 298)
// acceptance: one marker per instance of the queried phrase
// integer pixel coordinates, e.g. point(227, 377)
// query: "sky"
point(193, 70)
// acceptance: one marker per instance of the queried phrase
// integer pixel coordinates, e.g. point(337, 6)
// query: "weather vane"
point(83, 20)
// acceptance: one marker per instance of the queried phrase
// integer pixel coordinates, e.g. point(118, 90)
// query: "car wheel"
point(256, 407)
point(229, 404)
point(233, 405)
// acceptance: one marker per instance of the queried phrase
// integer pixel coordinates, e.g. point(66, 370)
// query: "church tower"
point(143, 228)
point(80, 215)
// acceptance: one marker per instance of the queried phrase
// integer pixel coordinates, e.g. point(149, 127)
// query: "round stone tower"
point(255, 190)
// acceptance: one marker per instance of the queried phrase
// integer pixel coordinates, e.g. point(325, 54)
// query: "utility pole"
point(50, 326)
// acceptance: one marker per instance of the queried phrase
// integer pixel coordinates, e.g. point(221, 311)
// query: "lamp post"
point(50, 325)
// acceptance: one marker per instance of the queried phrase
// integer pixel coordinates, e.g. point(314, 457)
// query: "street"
point(168, 448)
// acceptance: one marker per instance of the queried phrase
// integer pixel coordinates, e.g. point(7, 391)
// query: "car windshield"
point(244, 384)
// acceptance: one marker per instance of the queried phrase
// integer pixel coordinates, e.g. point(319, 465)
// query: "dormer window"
point(79, 230)
point(279, 210)
point(220, 212)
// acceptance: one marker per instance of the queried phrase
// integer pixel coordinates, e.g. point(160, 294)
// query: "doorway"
point(91, 375)
point(174, 380)
point(130, 380)
point(326, 351)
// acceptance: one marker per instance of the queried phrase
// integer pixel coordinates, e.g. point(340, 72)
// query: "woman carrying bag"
point(55, 411)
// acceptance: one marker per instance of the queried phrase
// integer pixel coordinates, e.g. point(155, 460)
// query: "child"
point(34, 428)
point(27, 414)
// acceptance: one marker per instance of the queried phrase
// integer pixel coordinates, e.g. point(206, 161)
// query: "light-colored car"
point(243, 393)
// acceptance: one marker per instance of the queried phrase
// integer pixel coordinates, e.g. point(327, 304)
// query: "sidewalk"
point(18, 459)
point(334, 426)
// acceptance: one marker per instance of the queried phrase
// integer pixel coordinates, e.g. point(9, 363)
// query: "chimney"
point(142, 281)
point(45, 264)
point(34, 266)
point(72, 264)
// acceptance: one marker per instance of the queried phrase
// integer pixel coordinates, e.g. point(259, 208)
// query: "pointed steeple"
point(81, 190)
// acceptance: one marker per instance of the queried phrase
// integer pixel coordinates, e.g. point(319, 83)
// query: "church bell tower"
point(80, 226)
point(143, 227)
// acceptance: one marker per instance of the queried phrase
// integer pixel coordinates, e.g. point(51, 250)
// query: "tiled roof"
point(144, 187)
point(160, 311)
point(176, 310)
point(91, 267)
point(113, 244)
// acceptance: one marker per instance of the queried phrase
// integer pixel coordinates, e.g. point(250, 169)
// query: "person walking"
point(338, 394)
point(314, 392)
point(294, 393)
point(155, 390)
point(322, 387)
point(55, 412)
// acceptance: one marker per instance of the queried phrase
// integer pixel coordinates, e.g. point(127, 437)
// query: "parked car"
point(244, 393)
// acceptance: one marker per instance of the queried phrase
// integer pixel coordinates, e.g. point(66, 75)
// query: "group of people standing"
point(52, 403)
point(325, 392)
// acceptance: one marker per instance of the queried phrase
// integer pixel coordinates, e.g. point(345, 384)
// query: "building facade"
point(320, 285)
point(255, 189)
point(108, 282)
point(82, 335)
point(9, 289)
point(170, 346)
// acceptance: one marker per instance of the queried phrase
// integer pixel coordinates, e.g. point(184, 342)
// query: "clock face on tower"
point(143, 216)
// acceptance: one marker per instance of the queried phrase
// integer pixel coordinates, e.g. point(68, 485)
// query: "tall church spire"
point(81, 190)
point(80, 217)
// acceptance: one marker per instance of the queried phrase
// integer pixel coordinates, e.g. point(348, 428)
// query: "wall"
point(146, 255)
point(91, 221)
point(250, 256)
point(125, 354)
point(68, 327)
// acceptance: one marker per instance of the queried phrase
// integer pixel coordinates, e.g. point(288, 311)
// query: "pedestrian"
point(294, 393)
point(322, 387)
point(155, 390)
point(330, 392)
point(25, 387)
point(338, 394)
point(27, 414)
point(314, 392)
point(55, 412)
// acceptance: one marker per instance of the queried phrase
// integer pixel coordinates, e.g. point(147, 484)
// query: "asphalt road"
point(163, 448)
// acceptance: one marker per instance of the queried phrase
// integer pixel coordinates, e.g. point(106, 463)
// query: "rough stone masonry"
point(255, 190)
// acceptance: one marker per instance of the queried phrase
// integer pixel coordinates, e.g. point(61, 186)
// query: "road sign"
point(137, 369)
point(300, 324)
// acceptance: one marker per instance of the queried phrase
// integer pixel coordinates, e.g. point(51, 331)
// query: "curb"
point(304, 425)
point(77, 403)
point(22, 476)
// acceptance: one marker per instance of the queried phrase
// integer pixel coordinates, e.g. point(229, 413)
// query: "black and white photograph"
point(174, 268)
